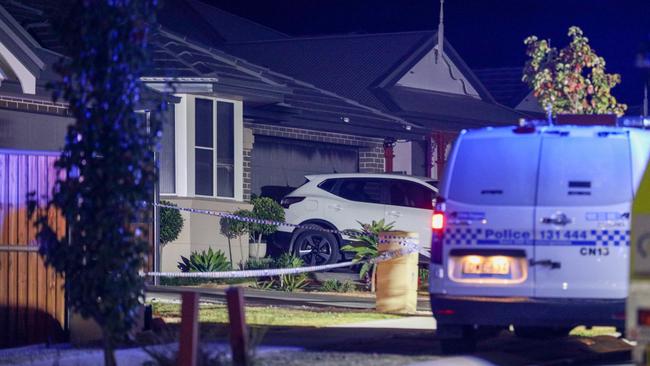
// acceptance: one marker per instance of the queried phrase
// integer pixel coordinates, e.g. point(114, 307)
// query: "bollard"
point(189, 337)
point(397, 278)
point(238, 332)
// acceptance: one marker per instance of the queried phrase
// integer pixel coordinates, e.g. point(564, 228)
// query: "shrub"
point(334, 285)
point(233, 228)
point(365, 247)
point(265, 208)
point(293, 282)
point(258, 263)
point(171, 223)
point(210, 261)
point(423, 278)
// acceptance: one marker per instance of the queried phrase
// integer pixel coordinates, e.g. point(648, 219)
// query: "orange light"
point(438, 221)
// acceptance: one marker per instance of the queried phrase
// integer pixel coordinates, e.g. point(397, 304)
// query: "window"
point(495, 171)
point(209, 147)
point(214, 148)
point(584, 171)
point(203, 148)
point(328, 185)
point(361, 190)
point(225, 149)
point(410, 194)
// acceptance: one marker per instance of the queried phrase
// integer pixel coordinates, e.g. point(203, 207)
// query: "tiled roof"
point(504, 84)
point(302, 103)
point(365, 67)
point(349, 65)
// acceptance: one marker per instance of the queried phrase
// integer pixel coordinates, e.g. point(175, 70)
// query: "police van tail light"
point(438, 223)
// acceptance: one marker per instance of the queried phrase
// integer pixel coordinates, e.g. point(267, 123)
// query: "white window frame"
point(185, 147)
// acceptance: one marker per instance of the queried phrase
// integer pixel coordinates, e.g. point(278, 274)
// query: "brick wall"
point(31, 105)
point(371, 151)
point(248, 153)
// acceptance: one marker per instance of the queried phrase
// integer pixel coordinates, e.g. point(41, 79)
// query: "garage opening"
point(279, 165)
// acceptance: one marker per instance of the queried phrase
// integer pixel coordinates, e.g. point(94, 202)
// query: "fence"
point(32, 300)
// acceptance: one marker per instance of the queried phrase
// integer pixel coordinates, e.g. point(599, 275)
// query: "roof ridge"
point(332, 36)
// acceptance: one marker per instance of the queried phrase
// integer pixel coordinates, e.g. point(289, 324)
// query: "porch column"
point(440, 138)
point(389, 145)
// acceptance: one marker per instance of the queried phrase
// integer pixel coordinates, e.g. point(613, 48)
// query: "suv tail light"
point(288, 201)
point(438, 223)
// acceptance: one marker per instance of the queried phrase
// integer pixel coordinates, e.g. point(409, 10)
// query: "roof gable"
point(437, 75)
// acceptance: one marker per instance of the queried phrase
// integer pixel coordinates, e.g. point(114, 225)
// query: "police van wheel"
point(464, 340)
point(542, 332)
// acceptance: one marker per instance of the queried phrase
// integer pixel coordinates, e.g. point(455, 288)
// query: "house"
point(32, 130)
point(404, 74)
point(234, 128)
point(241, 129)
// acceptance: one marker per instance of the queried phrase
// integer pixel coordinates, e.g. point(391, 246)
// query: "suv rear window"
point(495, 171)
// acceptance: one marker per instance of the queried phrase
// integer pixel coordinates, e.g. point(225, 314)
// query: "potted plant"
point(264, 208)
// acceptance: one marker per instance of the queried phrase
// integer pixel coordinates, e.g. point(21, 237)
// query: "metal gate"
point(32, 300)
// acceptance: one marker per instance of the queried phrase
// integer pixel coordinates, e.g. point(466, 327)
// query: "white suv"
point(341, 201)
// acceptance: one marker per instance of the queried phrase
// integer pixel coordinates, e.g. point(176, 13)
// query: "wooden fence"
point(32, 300)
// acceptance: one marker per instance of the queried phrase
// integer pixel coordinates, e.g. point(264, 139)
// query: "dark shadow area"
point(503, 350)
point(24, 326)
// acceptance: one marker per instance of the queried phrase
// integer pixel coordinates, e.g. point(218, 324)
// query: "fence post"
point(189, 337)
point(238, 333)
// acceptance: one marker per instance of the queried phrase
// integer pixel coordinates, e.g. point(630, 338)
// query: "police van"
point(531, 229)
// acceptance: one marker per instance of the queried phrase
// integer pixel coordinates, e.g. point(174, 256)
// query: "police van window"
point(361, 190)
point(410, 194)
point(584, 171)
point(495, 171)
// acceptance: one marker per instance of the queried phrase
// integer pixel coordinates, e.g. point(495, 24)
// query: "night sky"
point(486, 33)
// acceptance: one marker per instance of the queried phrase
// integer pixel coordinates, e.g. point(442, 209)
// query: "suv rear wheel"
point(316, 247)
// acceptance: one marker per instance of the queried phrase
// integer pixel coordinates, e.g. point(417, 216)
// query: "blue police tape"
point(349, 233)
point(413, 248)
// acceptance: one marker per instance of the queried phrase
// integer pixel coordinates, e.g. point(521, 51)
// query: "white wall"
point(443, 76)
point(402, 161)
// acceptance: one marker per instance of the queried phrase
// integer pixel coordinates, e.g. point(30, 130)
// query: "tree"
point(171, 223)
point(108, 163)
point(572, 80)
point(264, 208)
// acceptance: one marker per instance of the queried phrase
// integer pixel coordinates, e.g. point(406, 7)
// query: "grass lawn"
point(273, 316)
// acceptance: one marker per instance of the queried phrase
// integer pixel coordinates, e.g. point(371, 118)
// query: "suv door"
point(582, 218)
point(490, 202)
point(410, 207)
point(358, 200)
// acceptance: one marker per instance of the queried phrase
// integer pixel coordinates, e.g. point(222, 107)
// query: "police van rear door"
point(489, 197)
point(582, 215)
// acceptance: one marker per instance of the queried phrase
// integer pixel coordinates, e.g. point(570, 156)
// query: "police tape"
point(350, 233)
point(413, 248)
